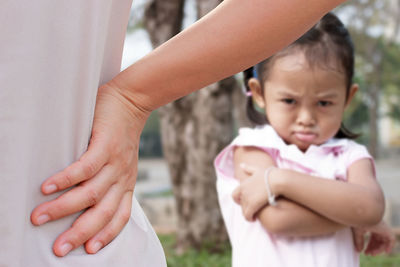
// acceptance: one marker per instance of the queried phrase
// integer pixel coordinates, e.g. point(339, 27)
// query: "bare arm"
point(287, 217)
point(291, 219)
point(234, 36)
point(358, 202)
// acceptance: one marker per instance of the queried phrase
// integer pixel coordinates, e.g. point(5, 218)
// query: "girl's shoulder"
point(351, 151)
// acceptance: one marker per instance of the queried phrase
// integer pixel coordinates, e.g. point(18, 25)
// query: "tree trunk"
point(193, 130)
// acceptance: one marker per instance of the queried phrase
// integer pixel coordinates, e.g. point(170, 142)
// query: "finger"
point(85, 168)
point(75, 200)
point(358, 239)
point(375, 245)
point(371, 244)
point(392, 242)
point(249, 214)
point(113, 228)
point(89, 223)
point(236, 195)
point(247, 168)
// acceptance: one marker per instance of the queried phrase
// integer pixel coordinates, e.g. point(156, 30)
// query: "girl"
point(303, 156)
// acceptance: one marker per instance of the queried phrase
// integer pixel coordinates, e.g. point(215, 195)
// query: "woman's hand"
point(101, 181)
point(252, 194)
point(381, 239)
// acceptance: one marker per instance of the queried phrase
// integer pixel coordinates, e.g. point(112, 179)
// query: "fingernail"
point(48, 189)
point(97, 246)
point(43, 219)
point(65, 249)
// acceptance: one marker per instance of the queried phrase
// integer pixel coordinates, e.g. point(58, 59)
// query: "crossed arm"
point(291, 218)
point(307, 205)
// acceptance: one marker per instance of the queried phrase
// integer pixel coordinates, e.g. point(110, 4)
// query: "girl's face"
point(303, 104)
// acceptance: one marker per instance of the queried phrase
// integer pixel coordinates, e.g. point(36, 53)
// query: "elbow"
point(272, 221)
point(371, 212)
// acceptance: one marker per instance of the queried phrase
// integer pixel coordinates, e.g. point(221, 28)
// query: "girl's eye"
point(324, 103)
point(289, 101)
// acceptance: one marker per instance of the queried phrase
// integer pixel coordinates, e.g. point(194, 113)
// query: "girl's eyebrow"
point(331, 94)
point(286, 92)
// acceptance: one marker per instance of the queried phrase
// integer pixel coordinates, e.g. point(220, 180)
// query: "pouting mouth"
point(305, 136)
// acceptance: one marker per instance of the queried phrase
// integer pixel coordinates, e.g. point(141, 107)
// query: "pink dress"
point(252, 245)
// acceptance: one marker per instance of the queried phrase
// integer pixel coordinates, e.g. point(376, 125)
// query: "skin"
point(287, 217)
point(106, 173)
point(305, 106)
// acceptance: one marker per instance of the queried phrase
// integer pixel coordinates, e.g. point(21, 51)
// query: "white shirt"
point(53, 57)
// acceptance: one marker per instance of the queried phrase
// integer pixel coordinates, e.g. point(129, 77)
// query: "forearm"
point(291, 219)
point(234, 36)
point(342, 202)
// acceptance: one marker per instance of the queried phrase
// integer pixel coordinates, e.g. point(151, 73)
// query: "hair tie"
point(249, 93)
point(255, 75)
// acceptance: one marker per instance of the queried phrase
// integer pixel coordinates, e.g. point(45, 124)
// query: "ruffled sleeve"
point(355, 152)
point(264, 138)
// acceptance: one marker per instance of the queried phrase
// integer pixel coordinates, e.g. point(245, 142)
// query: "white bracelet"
point(271, 196)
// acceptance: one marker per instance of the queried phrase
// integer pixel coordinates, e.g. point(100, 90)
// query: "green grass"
point(194, 258)
point(204, 258)
point(380, 261)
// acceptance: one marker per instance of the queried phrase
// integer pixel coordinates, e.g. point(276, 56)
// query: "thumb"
point(236, 195)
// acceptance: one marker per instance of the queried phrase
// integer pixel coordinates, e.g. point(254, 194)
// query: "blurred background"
point(176, 180)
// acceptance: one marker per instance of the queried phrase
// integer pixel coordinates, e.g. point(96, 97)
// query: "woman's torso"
point(53, 57)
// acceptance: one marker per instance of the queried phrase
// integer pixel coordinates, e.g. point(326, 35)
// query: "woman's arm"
point(234, 36)
point(231, 38)
point(286, 218)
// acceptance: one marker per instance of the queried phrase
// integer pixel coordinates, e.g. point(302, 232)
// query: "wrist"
point(271, 195)
point(277, 179)
point(128, 100)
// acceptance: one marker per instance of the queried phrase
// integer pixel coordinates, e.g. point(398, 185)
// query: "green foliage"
point(391, 79)
point(372, 25)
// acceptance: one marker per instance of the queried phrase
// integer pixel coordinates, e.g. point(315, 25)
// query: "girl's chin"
point(304, 146)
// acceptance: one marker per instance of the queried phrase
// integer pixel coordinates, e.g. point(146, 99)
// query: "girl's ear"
point(256, 91)
point(353, 89)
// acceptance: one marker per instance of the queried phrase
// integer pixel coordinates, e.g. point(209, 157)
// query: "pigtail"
point(254, 116)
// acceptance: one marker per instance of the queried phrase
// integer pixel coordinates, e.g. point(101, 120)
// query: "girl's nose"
point(306, 117)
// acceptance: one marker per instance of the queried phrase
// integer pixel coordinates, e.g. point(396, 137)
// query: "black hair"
point(327, 42)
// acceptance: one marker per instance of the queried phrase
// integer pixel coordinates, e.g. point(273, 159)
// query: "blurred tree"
point(193, 130)
point(375, 28)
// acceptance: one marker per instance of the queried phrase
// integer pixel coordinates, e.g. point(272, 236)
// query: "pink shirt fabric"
point(252, 245)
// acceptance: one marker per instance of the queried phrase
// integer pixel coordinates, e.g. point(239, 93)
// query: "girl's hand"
point(381, 239)
point(252, 194)
point(101, 181)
